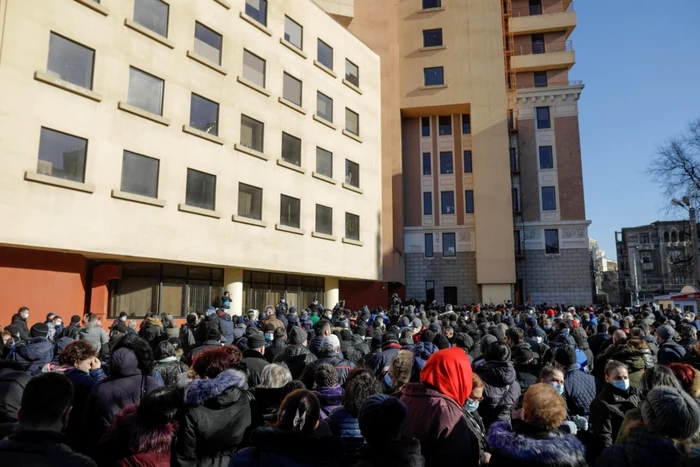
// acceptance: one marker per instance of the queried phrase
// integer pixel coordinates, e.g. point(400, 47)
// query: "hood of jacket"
point(497, 374)
point(403, 452)
point(36, 349)
point(225, 317)
point(141, 350)
point(633, 358)
point(219, 388)
point(525, 443)
point(330, 396)
point(152, 321)
point(124, 363)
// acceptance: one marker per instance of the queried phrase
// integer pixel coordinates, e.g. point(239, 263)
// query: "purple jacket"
point(330, 398)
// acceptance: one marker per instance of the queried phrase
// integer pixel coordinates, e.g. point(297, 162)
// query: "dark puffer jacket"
point(402, 453)
point(170, 369)
point(256, 363)
point(351, 352)
point(669, 352)
point(644, 449)
point(275, 348)
point(40, 449)
point(501, 391)
point(152, 332)
point(344, 367)
point(12, 383)
point(265, 405)
point(379, 363)
point(21, 325)
point(82, 386)
point(296, 357)
point(580, 390)
point(276, 448)
point(607, 414)
point(216, 415)
point(211, 321)
point(226, 326)
point(36, 353)
point(525, 445)
point(346, 427)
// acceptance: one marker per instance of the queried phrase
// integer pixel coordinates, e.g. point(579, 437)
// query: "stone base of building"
point(564, 278)
point(444, 274)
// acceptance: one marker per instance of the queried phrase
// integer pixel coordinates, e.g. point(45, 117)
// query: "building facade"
point(653, 260)
point(154, 154)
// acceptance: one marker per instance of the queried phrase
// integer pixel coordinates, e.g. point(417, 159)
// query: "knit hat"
point(213, 334)
point(210, 311)
point(269, 327)
point(464, 340)
point(297, 336)
point(255, 341)
point(404, 322)
point(417, 323)
point(360, 330)
point(389, 339)
point(665, 332)
point(380, 418)
point(435, 327)
point(531, 321)
point(427, 336)
point(671, 412)
point(441, 342)
point(487, 340)
point(345, 335)
point(39, 330)
point(239, 320)
point(76, 318)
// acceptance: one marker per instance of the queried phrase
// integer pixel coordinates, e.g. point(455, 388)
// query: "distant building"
point(654, 259)
point(604, 275)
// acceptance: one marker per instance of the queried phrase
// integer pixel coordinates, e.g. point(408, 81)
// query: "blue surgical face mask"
point(388, 381)
point(472, 405)
point(623, 384)
point(269, 336)
point(559, 388)
point(565, 332)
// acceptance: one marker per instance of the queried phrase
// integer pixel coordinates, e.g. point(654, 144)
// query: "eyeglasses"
point(478, 399)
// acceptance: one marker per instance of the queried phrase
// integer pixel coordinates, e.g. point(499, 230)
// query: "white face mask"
point(25, 316)
point(122, 319)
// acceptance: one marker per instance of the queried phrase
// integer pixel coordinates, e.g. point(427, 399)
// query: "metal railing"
point(538, 10)
point(551, 84)
point(543, 48)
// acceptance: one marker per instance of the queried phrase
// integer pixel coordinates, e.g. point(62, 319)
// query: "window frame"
point(167, 16)
point(328, 231)
point(538, 83)
point(446, 235)
point(62, 133)
point(435, 3)
point(194, 96)
point(262, 135)
point(142, 156)
point(538, 43)
point(298, 204)
point(551, 249)
point(443, 169)
point(549, 190)
point(467, 161)
point(286, 75)
point(443, 128)
point(439, 76)
point(319, 99)
point(291, 137)
point(352, 112)
point(424, 126)
point(73, 43)
point(349, 77)
point(264, 71)
point(429, 166)
point(318, 53)
point(348, 218)
point(428, 241)
point(466, 126)
point(542, 123)
point(550, 156)
point(256, 17)
point(162, 90)
point(427, 203)
point(430, 291)
point(187, 191)
point(446, 197)
point(469, 200)
point(198, 24)
point(318, 170)
point(238, 208)
point(349, 164)
point(301, 33)
point(432, 34)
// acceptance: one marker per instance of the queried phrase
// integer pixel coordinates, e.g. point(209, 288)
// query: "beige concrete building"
point(154, 153)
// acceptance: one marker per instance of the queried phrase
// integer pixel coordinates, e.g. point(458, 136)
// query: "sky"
point(640, 64)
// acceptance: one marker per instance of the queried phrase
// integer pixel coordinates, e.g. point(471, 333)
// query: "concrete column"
point(233, 282)
point(332, 292)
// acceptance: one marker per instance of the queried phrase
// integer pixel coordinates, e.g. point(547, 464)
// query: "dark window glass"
point(431, 4)
point(513, 159)
point(549, 198)
point(249, 201)
point(517, 243)
point(352, 173)
point(145, 91)
point(427, 203)
point(153, 15)
point(62, 155)
point(201, 190)
point(540, 79)
point(433, 76)
point(70, 61)
point(516, 200)
point(428, 245)
point(466, 124)
point(449, 247)
point(450, 294)
point(447, 199)
point(446, 163)
point(252, 133)
point(543, 120)
point(551, 241)
point(293, 32)
point(352, 73)
point(445, 125)
point(325, 54)
point(469, 201)
point(538, 44)
point(290, 211)
point(425, 126)
point(324, 219)
point(207, 43)
point(204, 115)
point(140, 175)
point(535, 7)
point(291, 149)
point(291, 89)
point(546, 157)
point(324, 162)
point(429, 291)
point(467, 162)
point(352, 226)
point(427, 164)
point(257, 9)
point(432, 38)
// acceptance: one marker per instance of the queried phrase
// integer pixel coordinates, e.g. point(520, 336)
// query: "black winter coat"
point(359, 343)
point(226, 325)
point(351, 352)
point(344, 367)
point(379, 363)
point(607, 413)
point(12, 383)
point(644, 449)
point(525, 445)
point(476, 425)
point(170, 370)
point(215, 418)
point(21, 324)
point(670, 352)
point(296, 357)
point(256, 362)
point(276, 347)
point(40, 449)
point(36, 353)
point(596, 341)
point(579, 391)
point(501, 391)
point(209, 322)
point(187, 338)
point(402, 453)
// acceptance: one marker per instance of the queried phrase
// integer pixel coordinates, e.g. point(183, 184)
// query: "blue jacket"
point(670, 352)
point(226, 325)
point(346, 427)
point(36, 353)
point(579, 390)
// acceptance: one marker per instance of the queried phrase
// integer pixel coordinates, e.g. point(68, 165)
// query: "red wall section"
point(99, 295)
point(358, 293)
point(43, 281)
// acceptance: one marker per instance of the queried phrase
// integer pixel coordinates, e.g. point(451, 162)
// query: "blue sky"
point(640, 63)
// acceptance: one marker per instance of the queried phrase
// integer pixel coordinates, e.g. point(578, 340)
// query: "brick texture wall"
point(564, 278)
point(572, 205)
point(529, 185)
point(457, 272)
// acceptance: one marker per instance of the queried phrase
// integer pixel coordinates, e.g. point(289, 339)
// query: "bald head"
point(617, 335)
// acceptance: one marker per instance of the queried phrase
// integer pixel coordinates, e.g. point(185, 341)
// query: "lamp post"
point(686, 204)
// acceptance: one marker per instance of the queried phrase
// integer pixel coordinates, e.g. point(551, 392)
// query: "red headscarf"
point(450, 372)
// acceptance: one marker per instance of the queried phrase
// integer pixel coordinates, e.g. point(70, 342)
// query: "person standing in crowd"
point(330, 394)
point(213, 339)
point(13, 380)
point(43, 417)
point(188, 333)
point(579, 387)
point(278, 344)
point(295, 355)
point(210, 321)
point(254, 358)
point(268, 396)
point(19, 321)
point(95, 335)
point(73, 329)
point(471, 412)
point(226, 325)
point(37, 351)
point(168, 364)
point(330, 347)
point(669, 350)
point(502, 389)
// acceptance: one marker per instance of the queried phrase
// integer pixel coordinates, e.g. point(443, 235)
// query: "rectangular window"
point(145, 91)
point(70, 61)
point(549, 198)
point(252, 133)
point(535, 7)
point(352, 73)
point(466, 124)
point(257, 9)
point(427, 164)
point(446, 163)
point(538, 43)
point(433, 76)
point(62, 155)
point(543, 120)
point(447, 199)
point(352, 226)
point(290, 211)
point(516, 242)
point(254, 68)
point(324, 162)
point(204, 115)
point(325, 54)
point(153, 15)
point(352, 173)
point(469, 201)
point(429, 291)
point(516, 200)
point(140, 174)
point(551, 241)
point(249, 201)
point(207, 43)
point(425, 126)
point(324, 106)
point(432, 38)
point(644, 238)
point(431, 4)
point(291, 149)
point(646, 257)
point(445, 125)
point(201, 190)
point(427, 203)
point(513, 160)
point(293, 33)
point(467, 162)
point(449, 246)
point(428, 245)
point(291, 89)
point(546, 157)
point(352, 122)
point(324, 219)
point(540, 79)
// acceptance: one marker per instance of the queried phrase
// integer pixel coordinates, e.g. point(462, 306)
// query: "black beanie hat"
point(427, 336)
point(297, 336)
point(441, 342)
point(213, 334)
point(255, 341)
point(39, 330)
point(671, 412)
point(360, 330)
point(380, 418)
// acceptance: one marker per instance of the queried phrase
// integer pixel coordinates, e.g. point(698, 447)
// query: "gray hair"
point(274, 376)
point(613, 365)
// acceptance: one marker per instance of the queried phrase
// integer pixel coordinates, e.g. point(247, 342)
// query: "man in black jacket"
point(210, 321)
point(19, 320)
point(254, 358)
point(43, 416)
point(330, 349)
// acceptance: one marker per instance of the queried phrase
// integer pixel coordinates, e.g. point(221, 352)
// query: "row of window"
point(445, 125)
point(446, 163)
point(449, 244)
point(447, 202)
point(551, 242)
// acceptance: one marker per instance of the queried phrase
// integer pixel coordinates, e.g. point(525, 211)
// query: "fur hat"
point(671, 412)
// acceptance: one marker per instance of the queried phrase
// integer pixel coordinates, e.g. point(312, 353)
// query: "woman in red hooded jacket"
point(435, 416)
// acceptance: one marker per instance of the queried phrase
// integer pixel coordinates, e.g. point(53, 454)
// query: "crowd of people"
point(410, 386)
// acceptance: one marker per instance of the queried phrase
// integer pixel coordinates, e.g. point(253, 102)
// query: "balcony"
point(551, 84)
point(541, 57)
point(534, 19)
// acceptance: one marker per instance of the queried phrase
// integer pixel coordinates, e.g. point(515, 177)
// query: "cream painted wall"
point(42, 216)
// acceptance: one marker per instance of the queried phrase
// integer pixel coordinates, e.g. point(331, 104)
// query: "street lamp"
point(687, 205)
